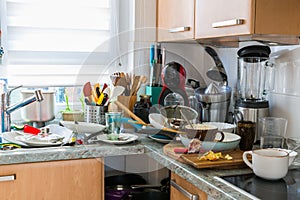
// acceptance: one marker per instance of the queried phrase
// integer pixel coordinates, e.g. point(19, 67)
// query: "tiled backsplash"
point(287, 73)
point(284, 100)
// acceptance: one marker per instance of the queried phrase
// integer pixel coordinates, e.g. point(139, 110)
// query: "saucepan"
point(134, 187)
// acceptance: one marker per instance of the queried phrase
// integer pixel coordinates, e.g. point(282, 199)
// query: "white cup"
point(271, 164)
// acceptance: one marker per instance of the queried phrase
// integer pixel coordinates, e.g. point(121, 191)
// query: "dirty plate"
point(83, 127)
point(124, 138)
point(163, 140)
point(36, 142)
point(11, 137)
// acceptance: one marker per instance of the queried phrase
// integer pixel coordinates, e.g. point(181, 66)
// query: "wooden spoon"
point(131, 114)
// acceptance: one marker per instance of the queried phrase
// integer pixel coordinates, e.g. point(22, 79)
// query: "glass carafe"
point(255, 78)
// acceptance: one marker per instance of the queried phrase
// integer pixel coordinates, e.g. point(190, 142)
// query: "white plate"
point(164, 141)
point(11, 137)
point(83, 127)
point(131, 138)
point(37, 142)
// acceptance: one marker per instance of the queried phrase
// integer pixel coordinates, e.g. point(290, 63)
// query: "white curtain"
point(58, 42)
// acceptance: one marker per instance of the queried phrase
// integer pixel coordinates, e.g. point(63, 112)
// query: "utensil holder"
point(95, 114)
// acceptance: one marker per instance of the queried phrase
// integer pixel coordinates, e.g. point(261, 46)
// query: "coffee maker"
point(173, 78)
point(254, 81)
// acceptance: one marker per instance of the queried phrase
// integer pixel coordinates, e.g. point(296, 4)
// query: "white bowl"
point(231, 141)
point(83, 127)
point(157, 120)
point(225, 127)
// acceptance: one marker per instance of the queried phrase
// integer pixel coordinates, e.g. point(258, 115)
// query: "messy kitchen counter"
point(201, 178)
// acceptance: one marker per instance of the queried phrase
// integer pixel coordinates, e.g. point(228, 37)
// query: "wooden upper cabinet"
point(184, 190)
point(254, 18)
point(59, 180)
point(175, 20)
point(216, 18)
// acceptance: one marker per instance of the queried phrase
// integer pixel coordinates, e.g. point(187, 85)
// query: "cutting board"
point(169, 151)
point(193, 160)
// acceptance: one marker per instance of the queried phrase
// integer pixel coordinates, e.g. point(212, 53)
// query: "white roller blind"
point(57, 42)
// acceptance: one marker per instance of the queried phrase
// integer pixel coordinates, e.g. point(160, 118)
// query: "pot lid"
point(254, 51)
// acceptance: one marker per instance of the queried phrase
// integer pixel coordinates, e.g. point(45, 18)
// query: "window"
point(58, 42)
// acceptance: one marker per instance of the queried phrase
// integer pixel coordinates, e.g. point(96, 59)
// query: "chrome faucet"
point(6, 109)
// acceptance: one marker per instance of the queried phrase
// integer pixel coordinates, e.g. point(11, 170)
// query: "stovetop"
point(287, 188)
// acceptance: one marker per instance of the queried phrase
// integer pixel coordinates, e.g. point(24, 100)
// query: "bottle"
point(141, 108)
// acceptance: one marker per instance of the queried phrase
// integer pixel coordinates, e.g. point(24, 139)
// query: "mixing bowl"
point(231, 141)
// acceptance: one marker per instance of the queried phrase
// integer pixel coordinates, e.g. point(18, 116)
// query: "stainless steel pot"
point(214, 106)
point(39, 111)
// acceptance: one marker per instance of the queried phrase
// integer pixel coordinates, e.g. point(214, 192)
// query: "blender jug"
point(254, 81)
point(254, 78)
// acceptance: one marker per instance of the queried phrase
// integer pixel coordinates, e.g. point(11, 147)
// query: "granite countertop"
point(202, 178)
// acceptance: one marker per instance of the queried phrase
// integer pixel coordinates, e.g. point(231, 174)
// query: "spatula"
point(97, 89)
point(87, 92)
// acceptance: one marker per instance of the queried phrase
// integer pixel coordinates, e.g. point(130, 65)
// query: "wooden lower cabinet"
point(55, 180)
point(184, 190)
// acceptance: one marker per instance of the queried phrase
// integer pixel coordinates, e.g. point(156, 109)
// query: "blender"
point(254, 80)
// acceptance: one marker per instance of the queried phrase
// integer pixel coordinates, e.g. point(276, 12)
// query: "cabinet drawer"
point(216, 18)
point(175, 20)
point(184, 190)
point(73, 179)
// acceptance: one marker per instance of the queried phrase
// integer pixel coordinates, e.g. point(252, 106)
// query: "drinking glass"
point(113, 122)
point(272, 131)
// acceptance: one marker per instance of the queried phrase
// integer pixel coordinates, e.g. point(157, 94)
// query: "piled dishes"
point(83, 127)
point(30, 140)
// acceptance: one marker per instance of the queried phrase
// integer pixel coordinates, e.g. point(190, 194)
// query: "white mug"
point(269, 164)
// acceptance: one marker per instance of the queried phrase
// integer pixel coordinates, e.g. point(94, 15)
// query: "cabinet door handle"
point(232, 22)
point(179, 29)
point(7, 178)
point(183, 191)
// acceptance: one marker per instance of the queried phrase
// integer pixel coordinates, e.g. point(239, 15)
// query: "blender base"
point(252, 111)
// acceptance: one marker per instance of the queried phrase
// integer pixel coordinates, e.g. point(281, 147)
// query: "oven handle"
point(183, 191)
